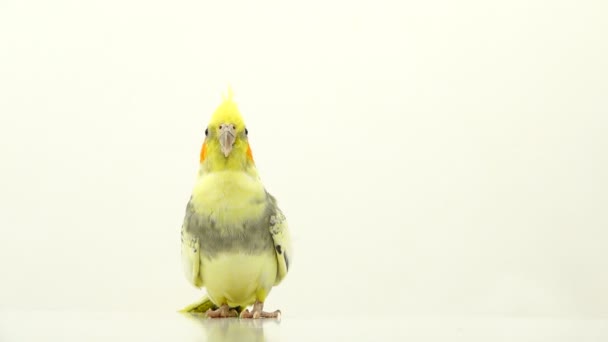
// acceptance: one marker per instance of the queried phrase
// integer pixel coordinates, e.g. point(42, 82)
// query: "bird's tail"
point(202, 305)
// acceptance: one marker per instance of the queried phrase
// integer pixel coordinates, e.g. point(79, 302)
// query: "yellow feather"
point(229, 197)
point(239, 279)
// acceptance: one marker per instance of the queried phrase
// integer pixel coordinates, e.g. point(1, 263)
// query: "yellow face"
point(226, 144)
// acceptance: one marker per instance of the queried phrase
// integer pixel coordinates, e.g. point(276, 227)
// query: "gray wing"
point(191, 260)
point(280, 236)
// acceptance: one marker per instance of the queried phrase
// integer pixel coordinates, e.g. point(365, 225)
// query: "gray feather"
point(250, 237)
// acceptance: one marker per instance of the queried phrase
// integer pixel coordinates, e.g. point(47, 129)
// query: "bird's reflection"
point(231, 329)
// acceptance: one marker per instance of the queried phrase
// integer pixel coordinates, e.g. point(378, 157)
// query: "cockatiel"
point(235, 240)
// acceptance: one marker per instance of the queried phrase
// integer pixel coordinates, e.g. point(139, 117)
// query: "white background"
point(433, 157)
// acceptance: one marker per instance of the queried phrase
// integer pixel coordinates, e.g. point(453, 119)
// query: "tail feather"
point(204, 304)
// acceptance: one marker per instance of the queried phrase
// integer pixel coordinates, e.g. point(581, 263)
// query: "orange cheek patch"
point(203, 152)
point(249, 154)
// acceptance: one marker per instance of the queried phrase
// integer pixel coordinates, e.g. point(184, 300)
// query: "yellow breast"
point(229, 197)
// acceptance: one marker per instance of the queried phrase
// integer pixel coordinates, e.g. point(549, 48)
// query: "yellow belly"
point(239, 279)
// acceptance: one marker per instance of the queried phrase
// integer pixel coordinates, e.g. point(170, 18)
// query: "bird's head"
point(226, 145)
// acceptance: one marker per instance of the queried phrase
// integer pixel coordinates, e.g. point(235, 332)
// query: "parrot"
point(235, 240)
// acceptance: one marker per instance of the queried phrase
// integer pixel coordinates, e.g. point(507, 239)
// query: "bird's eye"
point(206, 131)
point(246, 131)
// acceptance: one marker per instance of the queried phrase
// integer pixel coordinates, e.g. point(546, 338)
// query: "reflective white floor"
point(112, 326)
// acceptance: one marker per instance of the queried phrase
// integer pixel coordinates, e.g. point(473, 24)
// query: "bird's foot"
point(258, 312)
point(224, 311)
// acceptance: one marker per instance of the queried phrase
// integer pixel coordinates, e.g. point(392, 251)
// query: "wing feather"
point(280, 236)
point(191, 259)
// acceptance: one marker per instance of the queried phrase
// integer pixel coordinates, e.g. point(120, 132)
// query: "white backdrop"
point(432, 157)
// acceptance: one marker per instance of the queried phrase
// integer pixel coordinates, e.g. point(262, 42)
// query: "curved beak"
point(227, 137)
